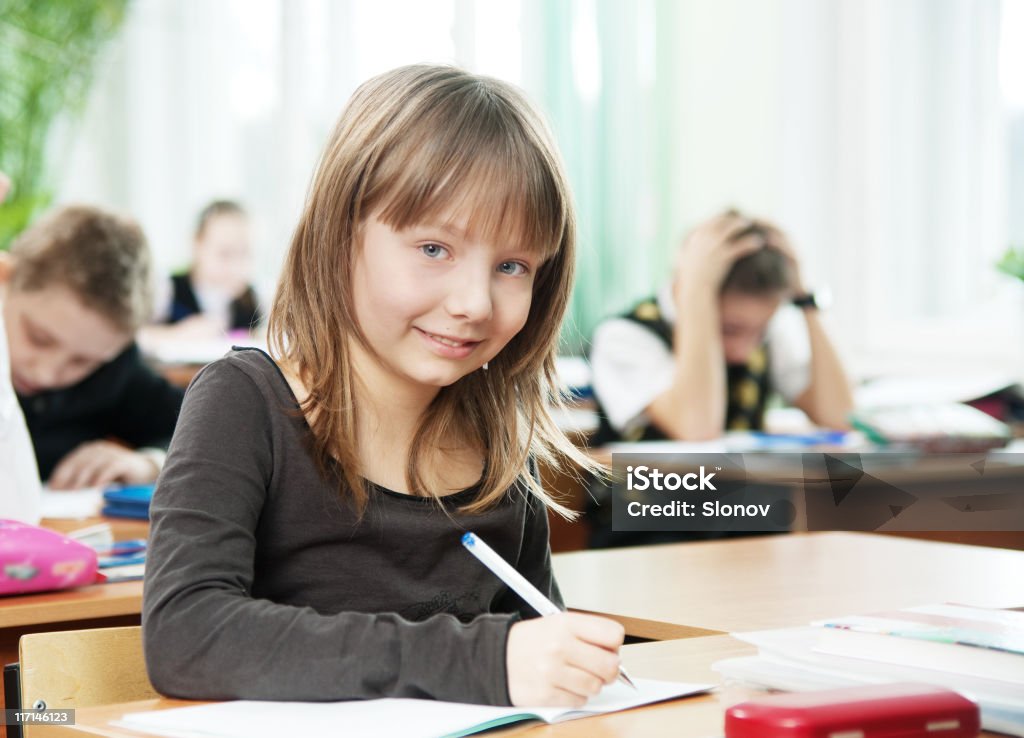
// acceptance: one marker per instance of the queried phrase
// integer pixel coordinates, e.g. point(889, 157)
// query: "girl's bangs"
point(503, 187)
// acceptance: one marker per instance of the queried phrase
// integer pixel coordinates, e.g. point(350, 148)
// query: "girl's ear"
point(6, 267)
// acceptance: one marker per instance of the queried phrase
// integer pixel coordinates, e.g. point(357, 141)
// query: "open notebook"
point(381, 718)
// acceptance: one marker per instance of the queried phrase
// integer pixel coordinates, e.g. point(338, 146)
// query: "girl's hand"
point(561, 660)
point(99, 463)
point(709, 252)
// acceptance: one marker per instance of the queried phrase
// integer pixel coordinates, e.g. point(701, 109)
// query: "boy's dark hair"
point(763, 272)
point(101, 257)
point(215, 208)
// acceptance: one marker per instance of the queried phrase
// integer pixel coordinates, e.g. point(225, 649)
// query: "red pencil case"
point(876, 711)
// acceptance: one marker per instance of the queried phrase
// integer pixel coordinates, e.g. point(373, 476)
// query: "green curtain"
point(617, 141)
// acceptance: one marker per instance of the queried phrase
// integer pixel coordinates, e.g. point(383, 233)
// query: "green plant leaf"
point(48, 55)
point(1012, 262)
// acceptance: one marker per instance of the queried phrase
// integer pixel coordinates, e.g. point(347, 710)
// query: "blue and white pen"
point(518, 583)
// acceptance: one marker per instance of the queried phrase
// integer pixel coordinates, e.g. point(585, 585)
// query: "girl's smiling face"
point(436, 302)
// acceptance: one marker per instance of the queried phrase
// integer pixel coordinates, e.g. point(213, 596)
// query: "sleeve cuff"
point(502, 686)
point(156, 456)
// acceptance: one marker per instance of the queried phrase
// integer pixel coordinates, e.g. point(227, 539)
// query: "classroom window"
point(887, 138)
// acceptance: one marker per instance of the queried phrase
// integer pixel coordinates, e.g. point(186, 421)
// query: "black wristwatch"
point(806, 301)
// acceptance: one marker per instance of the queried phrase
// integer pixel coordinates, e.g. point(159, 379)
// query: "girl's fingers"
point(565, 698)
point(578, 683)
point(598, 631)
point(601, 663)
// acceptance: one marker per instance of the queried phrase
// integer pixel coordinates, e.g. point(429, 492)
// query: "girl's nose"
point(469, 297)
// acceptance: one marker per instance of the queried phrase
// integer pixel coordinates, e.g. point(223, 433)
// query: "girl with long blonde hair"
point(305, 530)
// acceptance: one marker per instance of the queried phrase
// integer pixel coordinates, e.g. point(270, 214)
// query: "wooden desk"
point(122, 528)
point(779, 581)
point(685, 660)
point(86, 603)
point(776, 581)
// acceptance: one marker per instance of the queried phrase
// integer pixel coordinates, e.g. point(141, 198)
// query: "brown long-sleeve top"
point(263, 583)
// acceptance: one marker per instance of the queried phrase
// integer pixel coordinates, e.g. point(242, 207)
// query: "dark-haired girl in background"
point(213, 296)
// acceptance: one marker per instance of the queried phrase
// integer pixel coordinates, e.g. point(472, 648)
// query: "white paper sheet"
point(405, 718)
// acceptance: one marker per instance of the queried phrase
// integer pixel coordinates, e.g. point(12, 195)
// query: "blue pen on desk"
point(518, 583)
point(105, 562)
point(817, 438)
point(121, 548)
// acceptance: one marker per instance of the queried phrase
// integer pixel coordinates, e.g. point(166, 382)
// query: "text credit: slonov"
point(643, 478)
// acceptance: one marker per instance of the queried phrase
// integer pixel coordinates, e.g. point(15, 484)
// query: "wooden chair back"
point(82, 668)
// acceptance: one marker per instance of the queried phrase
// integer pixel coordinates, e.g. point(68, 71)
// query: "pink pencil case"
point(33, 559)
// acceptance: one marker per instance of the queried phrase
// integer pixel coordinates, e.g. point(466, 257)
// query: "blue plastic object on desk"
point(818, 438)
point(106, 562)
point(123, 548)
point(128, 502)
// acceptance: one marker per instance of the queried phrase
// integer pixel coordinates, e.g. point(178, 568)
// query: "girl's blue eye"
point(433, 250)
point(512, 268)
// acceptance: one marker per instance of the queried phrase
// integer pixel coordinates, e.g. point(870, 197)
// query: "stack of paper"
point(193, 351)
point(382, 718)
point(72, 504)
point(978, 652)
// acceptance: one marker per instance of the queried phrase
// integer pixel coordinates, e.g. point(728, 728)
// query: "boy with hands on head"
point(703, 355)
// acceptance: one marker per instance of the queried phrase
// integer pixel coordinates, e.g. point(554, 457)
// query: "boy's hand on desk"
point(561, 660)
point(99, 463)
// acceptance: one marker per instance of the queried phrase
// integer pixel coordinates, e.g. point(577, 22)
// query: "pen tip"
point(468, 539)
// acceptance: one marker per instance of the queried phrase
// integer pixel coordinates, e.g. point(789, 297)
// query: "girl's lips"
point(449, 348)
